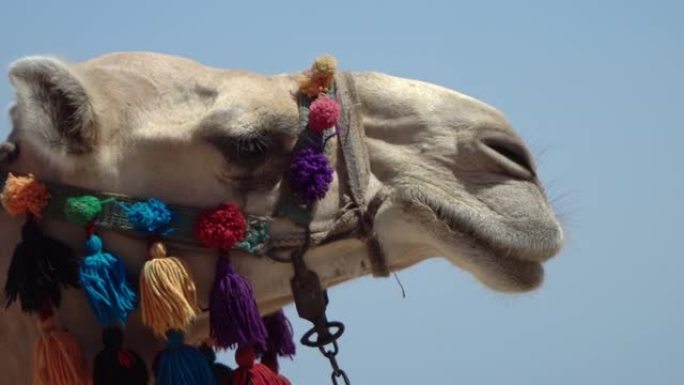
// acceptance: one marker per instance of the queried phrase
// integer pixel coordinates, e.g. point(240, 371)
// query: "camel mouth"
point(536, 238)
point(500, 264)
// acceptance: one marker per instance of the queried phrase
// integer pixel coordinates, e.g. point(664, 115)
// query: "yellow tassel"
point(168, 297)
point(57, 357)
point(319, 79)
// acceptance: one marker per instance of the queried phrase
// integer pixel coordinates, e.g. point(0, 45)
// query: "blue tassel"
point(103, 277)
point(181, 364)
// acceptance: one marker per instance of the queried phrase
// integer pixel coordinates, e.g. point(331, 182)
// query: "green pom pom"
point(83, 209)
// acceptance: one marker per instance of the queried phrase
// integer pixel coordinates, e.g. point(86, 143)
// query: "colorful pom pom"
point(152, 216)
point(82, 210)
point(221, 228)
point(324, 65)
point(310, 175)
point(255, 237)
point(320, 77)
point(24, 194)
point(324, 113)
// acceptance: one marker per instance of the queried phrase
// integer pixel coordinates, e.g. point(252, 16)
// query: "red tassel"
point(254, 373)
point(270, 359)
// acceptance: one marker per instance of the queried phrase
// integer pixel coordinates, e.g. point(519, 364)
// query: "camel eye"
point(248, 149)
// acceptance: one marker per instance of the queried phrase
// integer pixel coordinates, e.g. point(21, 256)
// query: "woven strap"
point(112, 217)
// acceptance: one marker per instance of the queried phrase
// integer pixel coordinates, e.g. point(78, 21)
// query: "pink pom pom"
point(323, 113)
point(222, 227)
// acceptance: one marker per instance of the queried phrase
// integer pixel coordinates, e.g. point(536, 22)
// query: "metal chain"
point(311, 301)
point(332, 356)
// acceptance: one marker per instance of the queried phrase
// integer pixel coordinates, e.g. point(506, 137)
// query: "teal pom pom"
point(152, 216)
point(255, 238)
point(181, 364)
point(104, 280)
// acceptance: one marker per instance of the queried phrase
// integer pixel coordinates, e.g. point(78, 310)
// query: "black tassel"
point(222, 372)
point(115, 365)
point(40, 267)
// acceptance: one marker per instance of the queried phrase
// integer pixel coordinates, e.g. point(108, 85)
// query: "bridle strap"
point(352, 142)
point(114, 218)
point(351, 136)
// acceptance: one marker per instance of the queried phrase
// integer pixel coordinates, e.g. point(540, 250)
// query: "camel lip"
point(501, 270)
point(452, 215)
point(497, 269)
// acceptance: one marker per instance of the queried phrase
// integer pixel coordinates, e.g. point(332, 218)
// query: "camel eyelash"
point(250, 148)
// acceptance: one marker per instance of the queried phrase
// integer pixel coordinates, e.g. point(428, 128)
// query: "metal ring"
point(330, 353)
point(338, 330)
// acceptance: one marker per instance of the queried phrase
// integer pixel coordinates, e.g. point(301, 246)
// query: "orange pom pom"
point(319, 79)
point(324, 66)
point(24, 194)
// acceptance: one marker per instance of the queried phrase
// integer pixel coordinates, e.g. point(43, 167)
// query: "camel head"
point(463, 185)
point(455, 180)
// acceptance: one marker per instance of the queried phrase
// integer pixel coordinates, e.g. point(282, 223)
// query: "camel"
point(454, 179)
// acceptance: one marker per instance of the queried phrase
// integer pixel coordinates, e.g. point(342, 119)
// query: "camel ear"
point(52, 100)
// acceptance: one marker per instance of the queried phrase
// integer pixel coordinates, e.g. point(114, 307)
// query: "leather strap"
point(352, 141)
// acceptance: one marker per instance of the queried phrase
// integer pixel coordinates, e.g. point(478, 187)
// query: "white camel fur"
point(461, 183)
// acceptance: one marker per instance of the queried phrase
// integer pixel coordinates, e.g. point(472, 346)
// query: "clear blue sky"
point(595, 87)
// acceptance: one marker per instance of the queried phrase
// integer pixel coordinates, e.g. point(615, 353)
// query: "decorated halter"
point(164, 290)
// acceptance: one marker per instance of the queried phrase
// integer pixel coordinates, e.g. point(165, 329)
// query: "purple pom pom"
point(310, 175)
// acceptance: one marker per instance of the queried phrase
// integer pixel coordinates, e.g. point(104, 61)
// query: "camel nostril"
point(512, 152)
